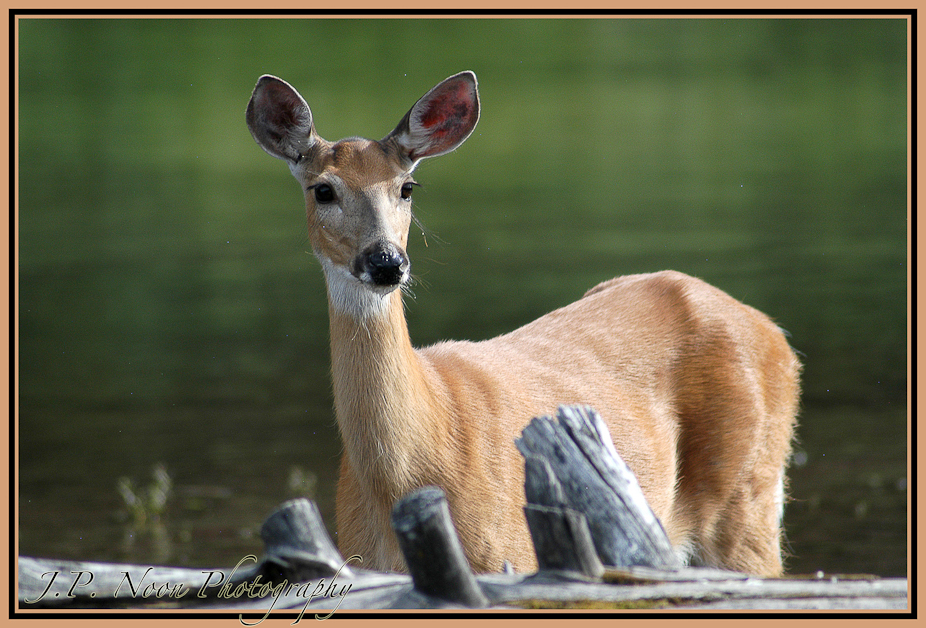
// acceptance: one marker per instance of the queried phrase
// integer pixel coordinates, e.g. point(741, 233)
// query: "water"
point(170, 312)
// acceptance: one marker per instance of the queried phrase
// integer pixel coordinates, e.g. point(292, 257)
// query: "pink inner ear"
point(447, 117)
point(448, 106)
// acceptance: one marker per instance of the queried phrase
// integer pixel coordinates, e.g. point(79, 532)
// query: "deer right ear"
point(441, 120)
point(280, 120)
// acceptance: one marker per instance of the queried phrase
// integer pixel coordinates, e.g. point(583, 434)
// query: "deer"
point(699, 391)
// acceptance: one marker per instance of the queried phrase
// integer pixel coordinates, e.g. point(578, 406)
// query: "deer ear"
point(441, 120)
point(280, 120)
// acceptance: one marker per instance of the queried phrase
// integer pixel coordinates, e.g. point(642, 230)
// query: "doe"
point(699, 391)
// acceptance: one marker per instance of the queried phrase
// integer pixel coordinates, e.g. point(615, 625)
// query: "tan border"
point(736, 11)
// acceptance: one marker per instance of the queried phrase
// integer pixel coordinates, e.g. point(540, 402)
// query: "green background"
point(170, 310)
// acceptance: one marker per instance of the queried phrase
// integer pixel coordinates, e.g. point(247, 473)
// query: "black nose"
point(385, 264)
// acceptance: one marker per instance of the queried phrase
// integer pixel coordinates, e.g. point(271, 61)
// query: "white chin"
point(354, 296)
point(365, 281)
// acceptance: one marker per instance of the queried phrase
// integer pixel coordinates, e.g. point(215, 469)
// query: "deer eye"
point(407, 190)
point(323, 193)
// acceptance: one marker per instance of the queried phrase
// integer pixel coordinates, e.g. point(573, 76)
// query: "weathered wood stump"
point(297, 546)
point(432, 550)
point(584, 508)
point(582, 471)
point(562, 541)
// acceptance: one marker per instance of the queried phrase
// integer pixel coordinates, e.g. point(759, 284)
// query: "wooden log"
point(690, 589)
point(433, 551)
point(562, 541)
point(298, 548)
point(50, 583)
point(635, 587)
point(540, 484)
point(297, 545)
point(596, 482)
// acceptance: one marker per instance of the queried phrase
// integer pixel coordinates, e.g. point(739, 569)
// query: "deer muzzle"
point(383, 265)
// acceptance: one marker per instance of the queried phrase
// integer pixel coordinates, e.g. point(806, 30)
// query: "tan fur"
point(699, 391)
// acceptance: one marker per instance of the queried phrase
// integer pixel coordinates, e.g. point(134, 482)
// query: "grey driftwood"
point(597, 548)
point(584, 472)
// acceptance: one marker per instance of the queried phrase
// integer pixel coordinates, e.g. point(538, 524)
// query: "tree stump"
point(433, 551)
point(585, 473)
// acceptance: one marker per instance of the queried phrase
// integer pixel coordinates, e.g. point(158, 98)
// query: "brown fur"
point(672, 364)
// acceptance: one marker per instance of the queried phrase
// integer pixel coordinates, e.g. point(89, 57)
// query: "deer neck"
point(382, 399)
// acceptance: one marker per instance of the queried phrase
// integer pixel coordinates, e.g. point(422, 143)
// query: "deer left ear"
point(441, 120)
point(280, 120)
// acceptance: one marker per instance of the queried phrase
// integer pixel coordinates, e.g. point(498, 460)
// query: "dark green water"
point(170, 312)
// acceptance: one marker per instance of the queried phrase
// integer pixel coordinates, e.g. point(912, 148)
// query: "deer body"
point(699, 391)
